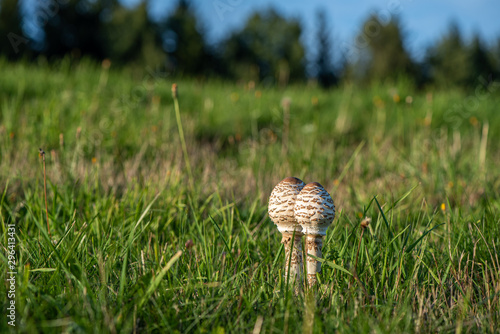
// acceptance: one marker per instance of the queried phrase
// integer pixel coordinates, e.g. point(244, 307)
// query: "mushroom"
point(281, 206)
point(314, 211)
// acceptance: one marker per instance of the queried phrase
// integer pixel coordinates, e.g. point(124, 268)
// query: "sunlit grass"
point(135, 248)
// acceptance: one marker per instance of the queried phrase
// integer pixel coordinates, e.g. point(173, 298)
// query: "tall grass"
point(135, 248)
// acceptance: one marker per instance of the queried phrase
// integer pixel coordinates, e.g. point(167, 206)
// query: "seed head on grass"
point(106, 64)
point(189, 244)
point(175, 93)
point(365, 222)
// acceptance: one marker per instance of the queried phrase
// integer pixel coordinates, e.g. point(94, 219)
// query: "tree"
point(448, 60)
point(76, 26)
point(481, 62)
point(496, 55)
point(384, 57)
point(267, 48)
point(13, 43)
point(326, 75)
point(139, 43)
point(103, 29)
point(183, 41)
point(495, 50)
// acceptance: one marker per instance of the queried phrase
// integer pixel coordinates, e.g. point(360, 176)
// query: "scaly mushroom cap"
point(314, 209)
point(282, 202)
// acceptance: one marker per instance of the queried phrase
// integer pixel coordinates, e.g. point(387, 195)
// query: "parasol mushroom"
point(314, 211)
point(281, 212)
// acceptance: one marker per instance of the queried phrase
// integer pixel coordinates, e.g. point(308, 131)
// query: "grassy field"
point(146, 238)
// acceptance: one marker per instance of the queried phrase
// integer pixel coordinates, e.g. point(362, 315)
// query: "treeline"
point(267, 49)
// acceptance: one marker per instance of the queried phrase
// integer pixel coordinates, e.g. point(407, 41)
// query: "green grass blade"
point(123, 276)
point(410, 248)
point(155, 282)
point(330, 264)
point(384, 218)
point(222, 237)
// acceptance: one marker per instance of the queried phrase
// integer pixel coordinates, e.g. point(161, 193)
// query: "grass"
point(135, 247)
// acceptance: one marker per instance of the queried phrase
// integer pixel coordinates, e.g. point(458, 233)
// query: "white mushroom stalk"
point(281, 212)
point(314, 211)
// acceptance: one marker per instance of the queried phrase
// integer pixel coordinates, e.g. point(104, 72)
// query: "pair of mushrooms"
point(300, 209)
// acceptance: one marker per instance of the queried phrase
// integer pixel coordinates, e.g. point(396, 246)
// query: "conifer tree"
point(326, 75)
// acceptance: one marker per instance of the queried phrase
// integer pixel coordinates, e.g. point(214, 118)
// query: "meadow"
point(158, 217)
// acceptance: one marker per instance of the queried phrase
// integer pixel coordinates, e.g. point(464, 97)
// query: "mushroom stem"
point(313, 247)
point(295, 246)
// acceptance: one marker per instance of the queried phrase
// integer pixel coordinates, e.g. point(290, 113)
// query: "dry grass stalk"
point(42, 155)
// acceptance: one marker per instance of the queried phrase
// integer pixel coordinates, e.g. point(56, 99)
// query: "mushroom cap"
point(314, 209)
point(282, 202)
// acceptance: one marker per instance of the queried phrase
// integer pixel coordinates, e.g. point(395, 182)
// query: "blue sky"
point(424, 21)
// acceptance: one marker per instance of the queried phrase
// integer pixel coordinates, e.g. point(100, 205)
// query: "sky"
point(424, 21)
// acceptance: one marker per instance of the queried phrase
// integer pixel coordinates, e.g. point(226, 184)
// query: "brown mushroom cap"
point(282, 202)
point(314, 209)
